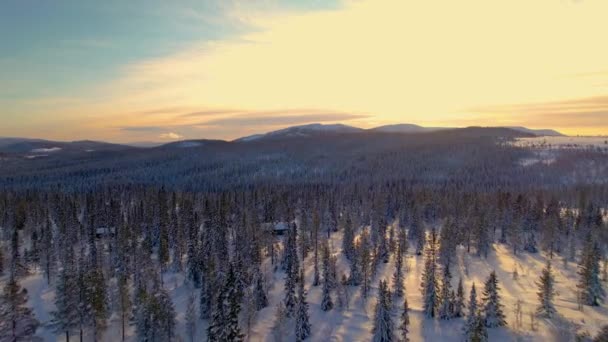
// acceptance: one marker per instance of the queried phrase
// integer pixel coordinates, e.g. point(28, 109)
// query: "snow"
point(46, 150)
point(354, 323)
point(564, 142)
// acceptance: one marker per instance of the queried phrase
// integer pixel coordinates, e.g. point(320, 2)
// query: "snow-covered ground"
point(568, 142)
point(354, 323)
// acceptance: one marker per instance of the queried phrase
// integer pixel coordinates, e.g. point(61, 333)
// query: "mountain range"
point(34, 148)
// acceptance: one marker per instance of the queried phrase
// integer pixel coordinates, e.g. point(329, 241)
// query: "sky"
point(133, 71)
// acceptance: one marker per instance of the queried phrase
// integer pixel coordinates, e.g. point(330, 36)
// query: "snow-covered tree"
point(446, 305)
point(546, 292)
point(302, 319)
point(589, 283)
point(472, 318)
point(224, 324)
point(65, 317)
point(383, 323)
point(429, 285)
point(459, 306)
point(124, 303)
point(398, 275)
point(326, 301)
point(492, 308)
point(17, 322)
point(404, 327)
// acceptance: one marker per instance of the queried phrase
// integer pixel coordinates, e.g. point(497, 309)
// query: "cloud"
point(170, 136)
point(585, 113)
point(209, 112)
point(397, 61)
point(142, 128)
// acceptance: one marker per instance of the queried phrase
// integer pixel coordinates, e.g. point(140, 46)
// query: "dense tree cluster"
point(105, 246)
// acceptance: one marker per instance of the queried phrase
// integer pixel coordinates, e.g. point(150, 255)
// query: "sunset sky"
point(158, 70)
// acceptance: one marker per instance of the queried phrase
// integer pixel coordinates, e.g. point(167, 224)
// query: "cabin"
point(104, 232)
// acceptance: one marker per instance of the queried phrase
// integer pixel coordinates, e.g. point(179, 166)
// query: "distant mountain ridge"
point(25, 146)
point(317, 129)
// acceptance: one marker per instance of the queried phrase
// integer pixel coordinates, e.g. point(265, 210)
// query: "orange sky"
point(540, 64)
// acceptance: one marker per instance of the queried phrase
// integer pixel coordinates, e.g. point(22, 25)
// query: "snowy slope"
point(355, 322)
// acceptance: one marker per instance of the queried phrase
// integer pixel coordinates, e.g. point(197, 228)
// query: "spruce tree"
point(233, 331)
point(459, 301)
point(446, 305)
point(124, 303)
point(546, 292)
point(383, 322)
point(348, 238)
point(492, 307)
point(472, 318)
point(17, 322)
point(589, 283)
point(290, 293)
point(429, 285)
point(398, 275)
point(65, 317)
point(326, 301)
point(480, 332)
point(404, 327)
point(302, 319)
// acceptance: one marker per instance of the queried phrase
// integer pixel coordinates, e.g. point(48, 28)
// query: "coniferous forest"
point(338, 237)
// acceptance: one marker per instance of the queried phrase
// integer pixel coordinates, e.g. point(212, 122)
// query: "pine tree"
point(405, 323)
point(17, 322)
point(224, 325)
point(355, 276)
point(365, 257)
point(326, 301)
point(546, 292)
point(480, 332)
point(291, 271)
point(492, 307)
point(398, 275)
point(97, 299)
point(142, 315)
point(302, 319)
point(165, 315)
point(589, 283)
point(348, 238)
point(290, 293)
point(233, 331)
point(429, 285)
point(124, 302)
point(383, 322)
point(191, 317)
point(65, 317)
point(472, 318)
point(459, 302)
point(446, 304)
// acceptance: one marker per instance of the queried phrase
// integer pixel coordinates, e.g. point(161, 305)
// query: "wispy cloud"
point(142, 129)
point(210, 112)
point(171, 136)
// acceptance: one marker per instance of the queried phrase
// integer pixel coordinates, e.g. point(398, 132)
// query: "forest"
point(368, 237)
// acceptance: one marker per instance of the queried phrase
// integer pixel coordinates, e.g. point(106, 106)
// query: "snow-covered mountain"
point(309, 130)
point(538, 132)
point(317, 129)
point(406, 128)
